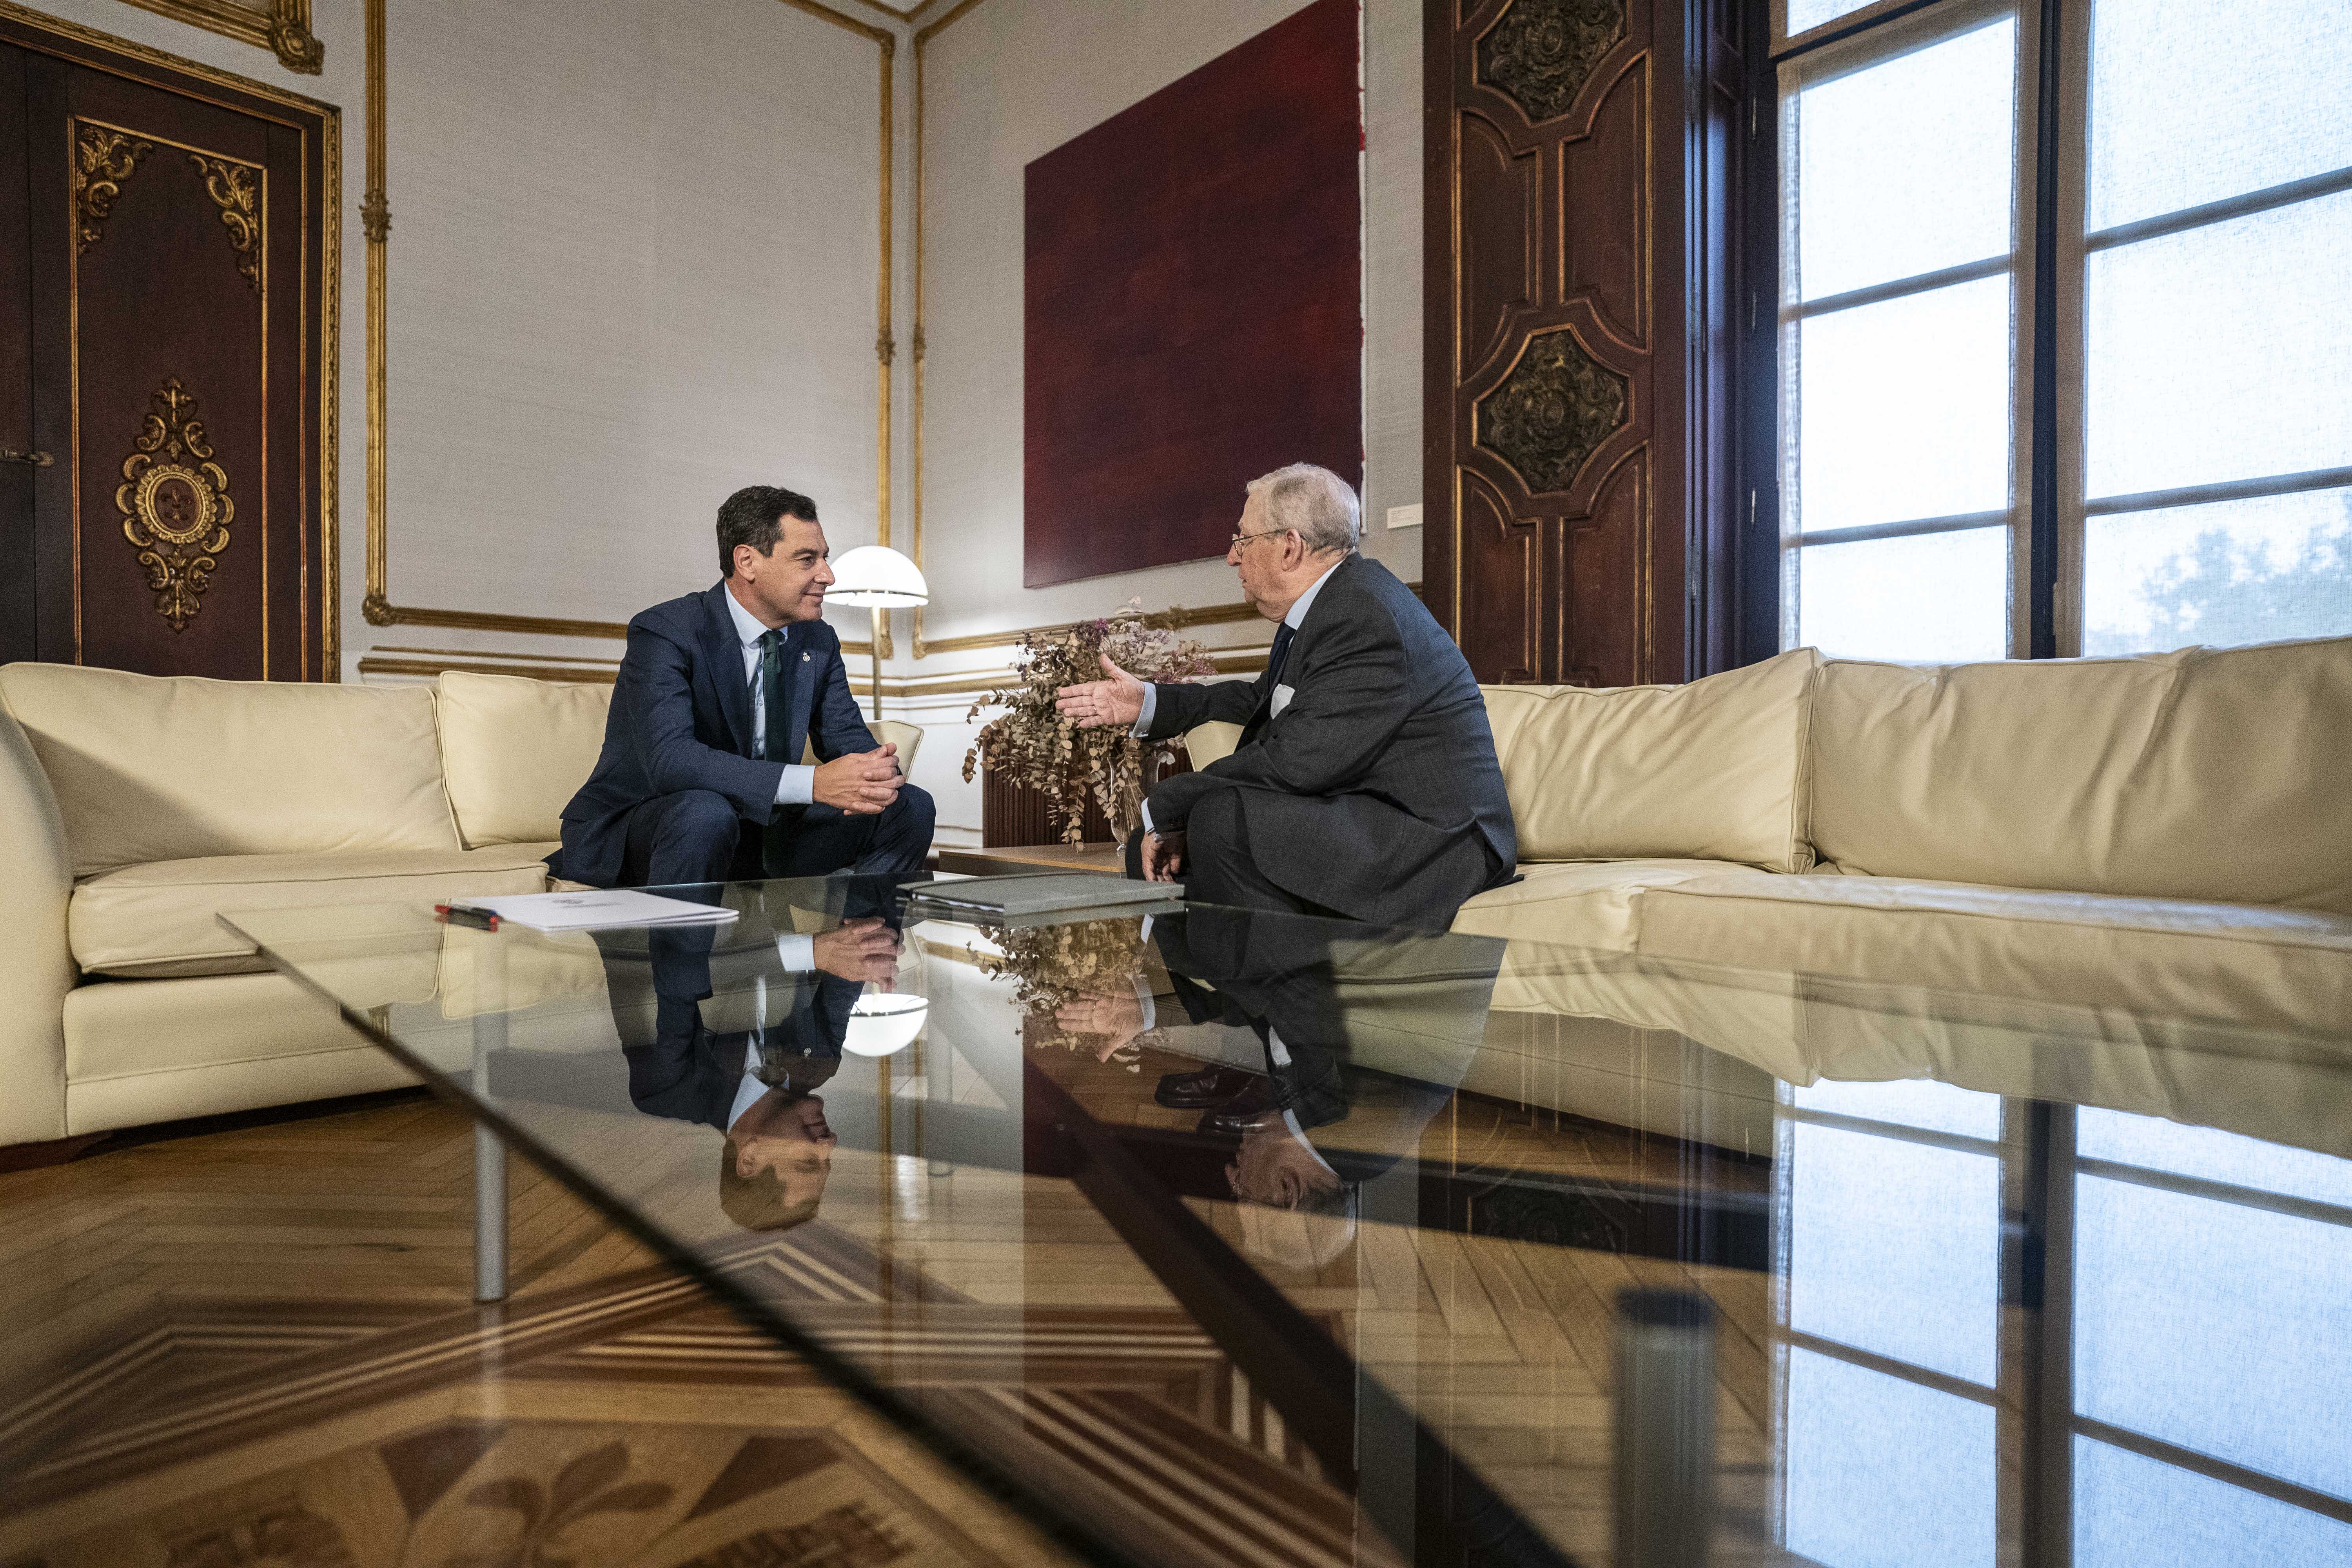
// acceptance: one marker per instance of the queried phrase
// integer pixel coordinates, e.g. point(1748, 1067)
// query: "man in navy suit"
point(700, 779)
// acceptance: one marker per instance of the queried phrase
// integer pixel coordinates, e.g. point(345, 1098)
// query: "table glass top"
point(1218, 1237)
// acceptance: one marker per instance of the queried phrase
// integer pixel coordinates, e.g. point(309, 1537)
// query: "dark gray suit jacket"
point(1376, 792)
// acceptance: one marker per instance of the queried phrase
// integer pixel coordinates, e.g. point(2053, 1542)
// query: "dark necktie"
point(771, 695)
point(1282, 636)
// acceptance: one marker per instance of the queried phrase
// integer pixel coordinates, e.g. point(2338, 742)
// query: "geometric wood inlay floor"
point(251, 1341)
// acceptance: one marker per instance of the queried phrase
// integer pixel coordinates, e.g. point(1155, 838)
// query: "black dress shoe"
point(1210, 1086)
point(1246, 1110)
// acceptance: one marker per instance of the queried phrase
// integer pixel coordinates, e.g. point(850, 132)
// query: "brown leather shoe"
point(1210, 1086)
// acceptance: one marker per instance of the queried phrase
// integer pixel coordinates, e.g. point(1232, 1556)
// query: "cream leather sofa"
point(134, 810)
point(2168, 834)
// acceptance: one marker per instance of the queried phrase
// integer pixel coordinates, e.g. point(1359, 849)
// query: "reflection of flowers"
point(1033, 743)
point(584, 1487)
point(1058, 968)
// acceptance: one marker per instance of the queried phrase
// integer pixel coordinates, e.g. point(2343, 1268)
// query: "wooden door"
point(1580, 348)
point(166, 234)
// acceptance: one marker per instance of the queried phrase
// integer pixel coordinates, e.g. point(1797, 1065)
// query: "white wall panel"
point(633, 268)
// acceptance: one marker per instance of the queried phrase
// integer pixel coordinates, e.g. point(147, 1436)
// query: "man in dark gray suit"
point(1366, 783)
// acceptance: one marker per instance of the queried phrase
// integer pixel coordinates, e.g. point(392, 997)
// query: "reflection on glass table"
point(1215, 1237)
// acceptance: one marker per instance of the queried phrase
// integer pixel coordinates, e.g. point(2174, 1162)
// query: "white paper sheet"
point(598, 909)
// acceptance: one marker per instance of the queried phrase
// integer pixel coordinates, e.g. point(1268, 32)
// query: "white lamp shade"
point(884, 1023)
point(877, 577)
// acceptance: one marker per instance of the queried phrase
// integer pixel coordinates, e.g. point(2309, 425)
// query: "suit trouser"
point(694, 835)
point(1218, 866)
point(1222, 867)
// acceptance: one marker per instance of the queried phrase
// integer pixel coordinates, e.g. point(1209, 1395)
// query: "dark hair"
point(754, 516)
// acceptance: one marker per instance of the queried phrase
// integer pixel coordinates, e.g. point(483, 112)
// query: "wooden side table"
point(1006, 858)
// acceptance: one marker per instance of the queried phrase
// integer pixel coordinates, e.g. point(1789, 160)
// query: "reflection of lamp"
point(884, 1023)
point(877, 577)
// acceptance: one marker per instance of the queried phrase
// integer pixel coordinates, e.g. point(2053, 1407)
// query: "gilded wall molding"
point(375, 218)
point(425, 663)
point(281, 27)
point(923, 36)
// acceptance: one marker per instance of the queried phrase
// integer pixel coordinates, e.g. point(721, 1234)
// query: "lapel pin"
point(804, 658)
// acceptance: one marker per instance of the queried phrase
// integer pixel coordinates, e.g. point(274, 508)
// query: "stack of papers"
point(599, 909)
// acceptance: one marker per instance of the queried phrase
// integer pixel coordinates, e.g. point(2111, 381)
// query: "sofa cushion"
point(158, 920)
point(515, 752)
point(1710, 771)
point(156, 1050)
point(1581, 903)
point(2262, 967)
point(2207, 773)
point(147, 768)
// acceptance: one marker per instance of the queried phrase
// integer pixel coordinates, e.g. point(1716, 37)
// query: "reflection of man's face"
point(787, 1136)
point(1274, 1168)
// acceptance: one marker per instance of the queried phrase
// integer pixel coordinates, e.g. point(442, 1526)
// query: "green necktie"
point(772, 694)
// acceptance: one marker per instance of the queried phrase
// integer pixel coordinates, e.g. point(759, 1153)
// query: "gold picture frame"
point(281, 27)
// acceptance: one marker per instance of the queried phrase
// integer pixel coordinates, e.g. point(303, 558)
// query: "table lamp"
point(877, 577)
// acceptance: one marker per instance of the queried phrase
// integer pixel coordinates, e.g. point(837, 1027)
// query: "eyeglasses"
point(1238, 539)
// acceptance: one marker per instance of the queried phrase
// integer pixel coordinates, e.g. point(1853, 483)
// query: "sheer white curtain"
point(2218, 340)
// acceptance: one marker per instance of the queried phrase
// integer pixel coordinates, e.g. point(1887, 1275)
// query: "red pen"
point(466, 915)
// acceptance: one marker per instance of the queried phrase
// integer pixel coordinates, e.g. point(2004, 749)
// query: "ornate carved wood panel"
point(1579, 273)
point(168, 360)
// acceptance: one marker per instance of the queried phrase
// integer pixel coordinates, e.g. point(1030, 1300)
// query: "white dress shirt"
point(1295, 617)
point(798, 784)
point(799, 953)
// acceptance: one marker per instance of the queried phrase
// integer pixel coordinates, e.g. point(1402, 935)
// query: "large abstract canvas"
point(1194, 311)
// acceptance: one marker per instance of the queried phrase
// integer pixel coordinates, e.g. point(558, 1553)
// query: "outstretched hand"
point(1090, 704)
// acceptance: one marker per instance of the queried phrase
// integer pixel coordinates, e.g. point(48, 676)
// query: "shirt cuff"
point(1151, 707)
point(796, 954)
point(1143, 999)
point(1147, 818)
point(797, 786)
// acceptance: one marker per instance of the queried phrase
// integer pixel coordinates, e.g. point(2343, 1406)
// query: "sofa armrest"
point(37, 968)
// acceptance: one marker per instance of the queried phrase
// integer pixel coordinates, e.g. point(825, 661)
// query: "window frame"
point(2049, 509)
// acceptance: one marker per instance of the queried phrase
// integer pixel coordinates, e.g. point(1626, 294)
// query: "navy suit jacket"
point(681, 719)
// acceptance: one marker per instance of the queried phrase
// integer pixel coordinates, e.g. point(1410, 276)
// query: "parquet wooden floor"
point(243, 1256)
point(172, 1302)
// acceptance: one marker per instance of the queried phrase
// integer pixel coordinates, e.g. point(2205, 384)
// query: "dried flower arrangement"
point(1053, 966)
point(1033, 743)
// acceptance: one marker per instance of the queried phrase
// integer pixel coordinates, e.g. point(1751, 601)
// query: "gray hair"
point(1314, 503)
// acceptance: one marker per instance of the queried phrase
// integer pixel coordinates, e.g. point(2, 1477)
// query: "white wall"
point(634, 258)
point(633, 267)
point(1013, 81)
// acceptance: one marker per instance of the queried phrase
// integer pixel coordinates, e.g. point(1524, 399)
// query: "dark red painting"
point(1195, 312)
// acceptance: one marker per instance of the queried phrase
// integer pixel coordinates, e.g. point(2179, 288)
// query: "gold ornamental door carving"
point(171, 382)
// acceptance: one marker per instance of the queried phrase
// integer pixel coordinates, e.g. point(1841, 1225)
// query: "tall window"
point(2191, 426)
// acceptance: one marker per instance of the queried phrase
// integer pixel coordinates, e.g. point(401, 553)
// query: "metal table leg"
point(490, 1151)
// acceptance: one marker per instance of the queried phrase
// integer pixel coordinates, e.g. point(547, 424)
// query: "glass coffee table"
point(1198, 1235)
